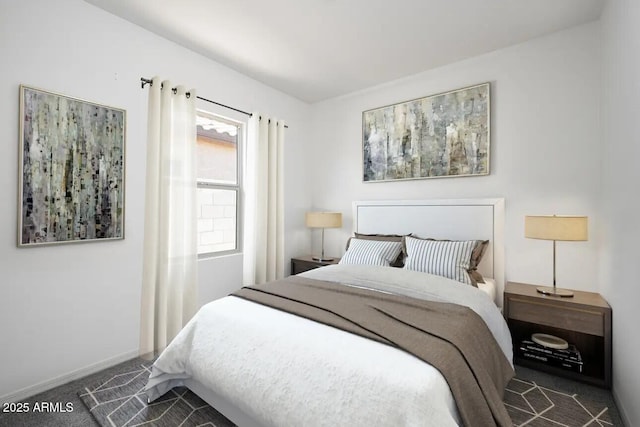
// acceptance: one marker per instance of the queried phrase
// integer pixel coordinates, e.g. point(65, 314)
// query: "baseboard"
point(63, 379)
point(621, 409)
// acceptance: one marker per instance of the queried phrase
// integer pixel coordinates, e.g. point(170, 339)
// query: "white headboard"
point(455, 219)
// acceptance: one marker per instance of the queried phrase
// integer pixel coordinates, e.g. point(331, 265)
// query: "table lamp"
point(555, 227)
point(323, 220)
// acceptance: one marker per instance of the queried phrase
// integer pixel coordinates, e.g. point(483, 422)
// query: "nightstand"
point(305, 263)
point(584, 320)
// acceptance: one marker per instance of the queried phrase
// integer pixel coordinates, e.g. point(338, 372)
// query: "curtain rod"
point(144, 82)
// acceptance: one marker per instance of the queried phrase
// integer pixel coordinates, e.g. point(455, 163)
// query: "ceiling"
point(320, 49)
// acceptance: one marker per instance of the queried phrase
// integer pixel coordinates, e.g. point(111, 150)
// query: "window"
point(218, 184)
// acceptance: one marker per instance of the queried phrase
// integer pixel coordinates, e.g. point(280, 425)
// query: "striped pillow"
point(443, 258)
point(371, 252)
point(399, 262)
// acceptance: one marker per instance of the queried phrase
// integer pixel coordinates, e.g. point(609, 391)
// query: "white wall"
point(545, 153)
point(66, 308)
point(621, 152)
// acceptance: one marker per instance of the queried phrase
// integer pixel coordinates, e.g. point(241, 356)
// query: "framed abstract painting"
point(443, 135)
point(71, 170)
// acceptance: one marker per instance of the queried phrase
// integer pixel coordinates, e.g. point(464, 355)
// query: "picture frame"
point(437, 136)
point(71, 170)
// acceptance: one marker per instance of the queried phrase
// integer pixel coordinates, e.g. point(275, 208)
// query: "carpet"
point(532, 405)
point(121, 402)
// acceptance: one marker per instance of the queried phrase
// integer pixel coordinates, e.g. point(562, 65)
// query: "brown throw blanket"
point(450, 337)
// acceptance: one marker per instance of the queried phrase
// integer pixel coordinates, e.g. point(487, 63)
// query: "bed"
point(261, 366)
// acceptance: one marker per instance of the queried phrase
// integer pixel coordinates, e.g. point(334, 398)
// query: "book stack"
point(568, 358)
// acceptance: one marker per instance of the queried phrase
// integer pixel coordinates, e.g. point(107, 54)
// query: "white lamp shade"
point(323, 219)
point(547, 227)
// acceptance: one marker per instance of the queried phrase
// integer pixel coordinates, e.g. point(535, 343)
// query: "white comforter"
point(284, 370)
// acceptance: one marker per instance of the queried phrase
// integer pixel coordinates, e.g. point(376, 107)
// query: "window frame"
point(237, 187)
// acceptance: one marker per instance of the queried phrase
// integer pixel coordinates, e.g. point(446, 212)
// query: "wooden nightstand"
point(305, 263)
point(584, 320)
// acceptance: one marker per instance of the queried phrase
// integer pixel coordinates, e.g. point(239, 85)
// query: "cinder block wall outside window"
point(216, 220)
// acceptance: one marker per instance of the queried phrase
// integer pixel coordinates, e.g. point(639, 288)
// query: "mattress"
point(488, 287)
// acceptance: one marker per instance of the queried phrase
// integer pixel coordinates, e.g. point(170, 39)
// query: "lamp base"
point(321, 259)
point(555, 292)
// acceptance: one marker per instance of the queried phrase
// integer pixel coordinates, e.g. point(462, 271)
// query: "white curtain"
point(169, 282)
point(264, 202)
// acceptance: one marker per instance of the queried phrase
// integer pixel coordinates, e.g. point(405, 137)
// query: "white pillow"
point(443, 258)
point(371, 252)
